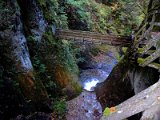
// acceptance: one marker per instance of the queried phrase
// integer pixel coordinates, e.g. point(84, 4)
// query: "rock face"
point(21, 23)
point(141, 78)
point(16, 54)
point(33, 19)
point(116, 88)
point(35, 116)
point(54, 54)
point(69, 82)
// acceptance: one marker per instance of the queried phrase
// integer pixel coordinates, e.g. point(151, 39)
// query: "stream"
point(85, 106)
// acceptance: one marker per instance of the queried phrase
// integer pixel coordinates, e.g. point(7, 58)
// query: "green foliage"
point(77, 53)
point(54, 13)
point(129, 15)
point(124, 49)
point(88, 10)
point(51, 86)
point(38, 65)
point(120, 17)
point(6, 14)
point(66, 56)
point(94, 51)
point(140, 60)
point(106, 112)
point(60, 107)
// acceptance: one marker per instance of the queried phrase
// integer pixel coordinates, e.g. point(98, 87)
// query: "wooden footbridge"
point(148, 46)
point(86, 37)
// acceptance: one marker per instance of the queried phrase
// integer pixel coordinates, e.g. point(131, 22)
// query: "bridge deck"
point(86, 37)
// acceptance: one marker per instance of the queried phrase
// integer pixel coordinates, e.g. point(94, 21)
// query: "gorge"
point(79, 59)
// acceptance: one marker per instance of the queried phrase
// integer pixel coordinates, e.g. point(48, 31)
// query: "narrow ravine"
point(86, 106)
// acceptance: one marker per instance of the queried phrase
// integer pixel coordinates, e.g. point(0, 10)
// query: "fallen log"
point(142, 101)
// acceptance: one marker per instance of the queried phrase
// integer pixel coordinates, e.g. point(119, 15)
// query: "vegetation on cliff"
point(38, 72)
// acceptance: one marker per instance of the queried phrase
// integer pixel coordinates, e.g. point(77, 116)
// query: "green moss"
point(104, 48)
point(7, 14)
point(77, 86)
point(94, 51)
point(60, 107)
point(106, 112)
point(140, 60)
point(141, 50)
point(65, 56)
point(53, 13)
point(155, 65)
point(61, 62)
point(124, 49)
point(70, 71)
point(156, 28)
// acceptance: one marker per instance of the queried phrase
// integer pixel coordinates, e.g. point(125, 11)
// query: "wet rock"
point(101, 61)
point(35, 116)
point(116, 88)
point(100, 67)
point(96, 113)
point(141, 78)
point(89, 78)
point(95, 70)
point(84, 107)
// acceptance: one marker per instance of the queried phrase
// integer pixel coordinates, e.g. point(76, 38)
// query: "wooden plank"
point(138, 33)
point(84, 33)
point(150, 58)
point(149, 52)
point(156, 23)
point(148, 46)
point(138, 103)
point(94, 38)
point(154, 65)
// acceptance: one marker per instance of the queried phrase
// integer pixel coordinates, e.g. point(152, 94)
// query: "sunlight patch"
point(90, 84)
